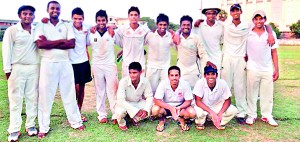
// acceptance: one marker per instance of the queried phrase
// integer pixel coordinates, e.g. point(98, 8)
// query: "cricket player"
point(134, 97)
point(173, 98)
point(20, 64)
point(262, 70)
point(54, 39)
point(104, 67)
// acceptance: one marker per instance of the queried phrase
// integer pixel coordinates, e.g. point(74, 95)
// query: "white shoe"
point(13, 137)
point(270, 121)
point(31, 131)
point(250, 120)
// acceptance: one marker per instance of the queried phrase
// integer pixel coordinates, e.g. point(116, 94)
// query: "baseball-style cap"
point(25, 7)
point(235, 6)
point(209, 69)
point(259, 12)
point(217, 10)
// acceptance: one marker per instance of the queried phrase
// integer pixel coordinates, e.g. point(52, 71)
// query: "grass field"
point(286, 112)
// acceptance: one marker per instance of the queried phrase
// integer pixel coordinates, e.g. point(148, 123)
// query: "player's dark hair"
point(52, 2)
point(186, 17)
point(77, 11)
point(101, 13)
point(173, 68)
point(136, 66)
point(133, 8)
point(162, 17)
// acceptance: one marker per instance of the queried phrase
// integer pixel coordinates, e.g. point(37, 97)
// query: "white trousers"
point(234, 73)
point(226, 117)
point(53, 74)
point(260, 83)
point(191, 79)
point(23, 83)
point(155, 75)
point(106, 84)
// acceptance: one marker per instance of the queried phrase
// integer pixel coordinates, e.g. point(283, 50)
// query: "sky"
point(175, 9)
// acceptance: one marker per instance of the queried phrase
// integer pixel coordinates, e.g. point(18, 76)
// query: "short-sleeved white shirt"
point(132, 42)
point(62, 30)
point(102, 48)
point(174, 98)
point(79, 53)
point(159, 54)
point(219, 94)
point(259, 52)
point(18, 47)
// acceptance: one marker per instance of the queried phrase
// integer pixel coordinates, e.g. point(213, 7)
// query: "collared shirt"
point(18, 47)
point(127, 93)
point(62, 30)
point(187, 59)
point(219, 94)
point(174, 98)
point(132, 42)
point(259, 52)
point(79, 53)
point(159, 54)
point(102, 48)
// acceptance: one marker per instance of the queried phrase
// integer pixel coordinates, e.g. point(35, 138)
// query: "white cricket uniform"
point(131, 100)
point(188, 62)
point(259, 74)
point(132, 42)
point(56, 70)
point(105, 72)
point(159, 56)
point(233, 69)
point(212, 38)
point(20, 58)
point(214, 100)
point(174, 98)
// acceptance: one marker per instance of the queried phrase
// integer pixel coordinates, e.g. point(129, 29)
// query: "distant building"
point(4, 24)
point(281, 12)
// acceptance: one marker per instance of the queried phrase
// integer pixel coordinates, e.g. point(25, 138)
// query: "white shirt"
point(159, 54)
point(219, 94)
point(132, 42)
point(18, 47)
point(79, 53)
point(127, 93)
point(62, 30)
point(174, 98)
point(102, 48)
point(259, 52)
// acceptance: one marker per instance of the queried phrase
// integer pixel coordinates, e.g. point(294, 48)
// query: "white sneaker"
point(270, 121)
point(250, 120)
point(13, 137)
point(31, 131)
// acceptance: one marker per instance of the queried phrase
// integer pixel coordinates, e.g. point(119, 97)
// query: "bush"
point(275, 29)
point(295, 28)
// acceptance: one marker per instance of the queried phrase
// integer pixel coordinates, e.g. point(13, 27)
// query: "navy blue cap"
point(235, 6)
point(209, 69)
point(26, 7)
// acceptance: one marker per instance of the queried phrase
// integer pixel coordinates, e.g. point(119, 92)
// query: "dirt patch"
point(89, 102)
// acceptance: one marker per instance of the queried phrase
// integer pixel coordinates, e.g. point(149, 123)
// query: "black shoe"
point(241, 120)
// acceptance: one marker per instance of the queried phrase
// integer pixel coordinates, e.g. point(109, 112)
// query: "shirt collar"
point(216, 87)
point(178, 87)
point(142, 81)
point(20, 28)
point(166, 35)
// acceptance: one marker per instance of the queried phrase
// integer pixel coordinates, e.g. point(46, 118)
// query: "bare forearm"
point(185, 104)
point(269, 29)
point(200, 104)
point(48, 44)
point(275, 59)
point(162, 104)
point(225, 106)
point(68, 44)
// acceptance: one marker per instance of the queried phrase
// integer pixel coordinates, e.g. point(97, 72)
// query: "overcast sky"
point(119, 8)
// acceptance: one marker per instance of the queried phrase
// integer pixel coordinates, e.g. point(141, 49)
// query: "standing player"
point(159, 54)
point(260, 74)
point(54, 39)
point(131, 38)
point(104, 67)
point(20, 64)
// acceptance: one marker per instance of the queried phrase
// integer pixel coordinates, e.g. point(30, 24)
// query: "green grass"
point(286, 111)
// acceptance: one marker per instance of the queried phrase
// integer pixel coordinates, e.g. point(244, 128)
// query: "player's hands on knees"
point(275, 75)
point(174, 113)
point(216, 120)
point(198, 22)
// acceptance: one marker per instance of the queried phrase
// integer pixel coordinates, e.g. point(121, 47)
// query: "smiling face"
point(26, 16)
point(211, 78)
point(162, 27)
point(101, 22)
point(77, 20)
point(135, 75)
point(236, 13)
point(53, 10)
point(174, 77)
point(259, 21)
point(133, 17)
point(211, 15)
point(186, 27)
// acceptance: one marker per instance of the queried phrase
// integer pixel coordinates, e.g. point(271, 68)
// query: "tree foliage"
point(275, 29)
point(173, 26)
point(150, 22)
point(295, 28)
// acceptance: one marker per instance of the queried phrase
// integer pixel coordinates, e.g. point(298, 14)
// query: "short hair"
point(162, 17)
point(186, 17)
point(173, 68)
point(133, 8)
point(101, 13)
point(26, 7)
point(77, 11)
point(135, 66)
point(52, 2)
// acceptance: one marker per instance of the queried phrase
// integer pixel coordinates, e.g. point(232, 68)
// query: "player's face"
point(211, 15)
point(211, 78)
point(54, 10)
point(259, 21)
point(186, 26)
point(134, 75)
point(235, 13)
point(174, 77)
point(133, 17)
point(162, 26)
point(101, 22)
point(77, 20)
point(26, 16)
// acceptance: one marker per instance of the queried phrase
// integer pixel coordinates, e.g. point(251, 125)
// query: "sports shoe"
point(250, 120)
point(103, 120)
point(270, 121)
point(123, 128)
point(31, 131)
point(13, 137)
point(241, 120)
point(41, 135)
